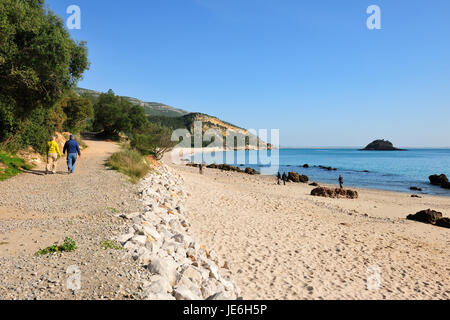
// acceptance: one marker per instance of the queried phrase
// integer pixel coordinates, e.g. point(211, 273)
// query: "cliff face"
point(222, 127)
point(381, 145)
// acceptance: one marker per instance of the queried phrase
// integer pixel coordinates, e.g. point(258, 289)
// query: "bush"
point(155, 141)
point(131, 163)
point(68, 246)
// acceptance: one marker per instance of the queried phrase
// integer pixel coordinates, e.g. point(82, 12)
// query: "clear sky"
point(309, 68)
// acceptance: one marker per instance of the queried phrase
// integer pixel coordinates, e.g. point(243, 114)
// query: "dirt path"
point(38, 210)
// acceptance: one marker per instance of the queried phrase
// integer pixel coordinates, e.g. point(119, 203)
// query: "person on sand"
point(284, 177)
point(201, 168)
point(73, 149)
point(341, 182)
point(279, 178)
point(52, 155)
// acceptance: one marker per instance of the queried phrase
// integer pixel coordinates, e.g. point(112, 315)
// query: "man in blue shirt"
point(72, 148)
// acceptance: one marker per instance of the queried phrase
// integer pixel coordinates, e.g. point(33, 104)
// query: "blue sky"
point(309, 68)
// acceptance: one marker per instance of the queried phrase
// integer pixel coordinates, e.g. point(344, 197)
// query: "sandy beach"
point(285, 244)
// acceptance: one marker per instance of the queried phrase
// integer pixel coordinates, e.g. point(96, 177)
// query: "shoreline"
point(375, 180)
point(283, 243)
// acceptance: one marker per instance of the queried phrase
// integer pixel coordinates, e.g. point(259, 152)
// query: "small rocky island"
point(381, 145)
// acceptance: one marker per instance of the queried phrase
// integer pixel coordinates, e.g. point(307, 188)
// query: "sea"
point(383, 170)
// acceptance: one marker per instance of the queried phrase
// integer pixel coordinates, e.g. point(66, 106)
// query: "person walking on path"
point(279, 178)
point(52, 155)
point(341, 182)
point(284, 178)
point(73, 149)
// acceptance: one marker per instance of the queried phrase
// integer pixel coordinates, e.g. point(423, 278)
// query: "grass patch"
point(113, 210)
point(130, 163)
point(11, 165)
point(68, 246)
point(108, 244)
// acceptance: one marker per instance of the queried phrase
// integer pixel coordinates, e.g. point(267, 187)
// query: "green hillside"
point(151, 108)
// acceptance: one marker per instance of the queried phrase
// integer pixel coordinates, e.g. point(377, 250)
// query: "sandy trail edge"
point(38, 210)
point(285, 244)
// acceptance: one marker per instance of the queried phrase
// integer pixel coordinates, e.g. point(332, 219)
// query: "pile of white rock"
point(159, 240)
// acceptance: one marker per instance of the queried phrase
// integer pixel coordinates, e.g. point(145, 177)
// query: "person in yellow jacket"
point(52, 155)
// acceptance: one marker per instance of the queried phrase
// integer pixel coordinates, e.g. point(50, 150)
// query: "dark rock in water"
point(334, 193)
point(426, 216)
point(306, 166)
point(381, 145)
point(437, 180)
point(366, 171)
point(415, 189)
point(328, 168)
point(314, 184)
point(444, 223)
point(295, 177)
point(445, 185)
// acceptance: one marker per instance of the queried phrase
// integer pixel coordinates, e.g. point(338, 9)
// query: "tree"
point(137, 117)
point(112, 114)
point(154, 140)
point(39, 63)
point(78, 110)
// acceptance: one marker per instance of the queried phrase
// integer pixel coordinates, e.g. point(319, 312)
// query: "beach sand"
point(283, 243)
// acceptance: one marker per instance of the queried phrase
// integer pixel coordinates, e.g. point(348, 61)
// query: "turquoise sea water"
point(387, 170)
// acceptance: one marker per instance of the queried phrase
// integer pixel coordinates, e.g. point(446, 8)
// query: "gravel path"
point(38, 210)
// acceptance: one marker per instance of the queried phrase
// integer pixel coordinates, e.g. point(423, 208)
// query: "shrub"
point(130, 163)
point(155, 141)
point(108, 244)
point(68, 246)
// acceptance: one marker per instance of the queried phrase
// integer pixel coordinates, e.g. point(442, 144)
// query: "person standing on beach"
point(279, 178)
point(201, 168)
point(52, 155)
point(341, 182)
point(284, 178)
point(73, 149)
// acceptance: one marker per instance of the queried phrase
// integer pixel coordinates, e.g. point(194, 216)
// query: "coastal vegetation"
point(39, 66)
point(108, 244)
point(131, 163)
point(69, 245)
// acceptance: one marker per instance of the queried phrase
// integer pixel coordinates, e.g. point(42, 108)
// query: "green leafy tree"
point(39, 63)
point(111, 115)
point(77, 110)
point(114, 114)
point(137, 117)
point(154, 140)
